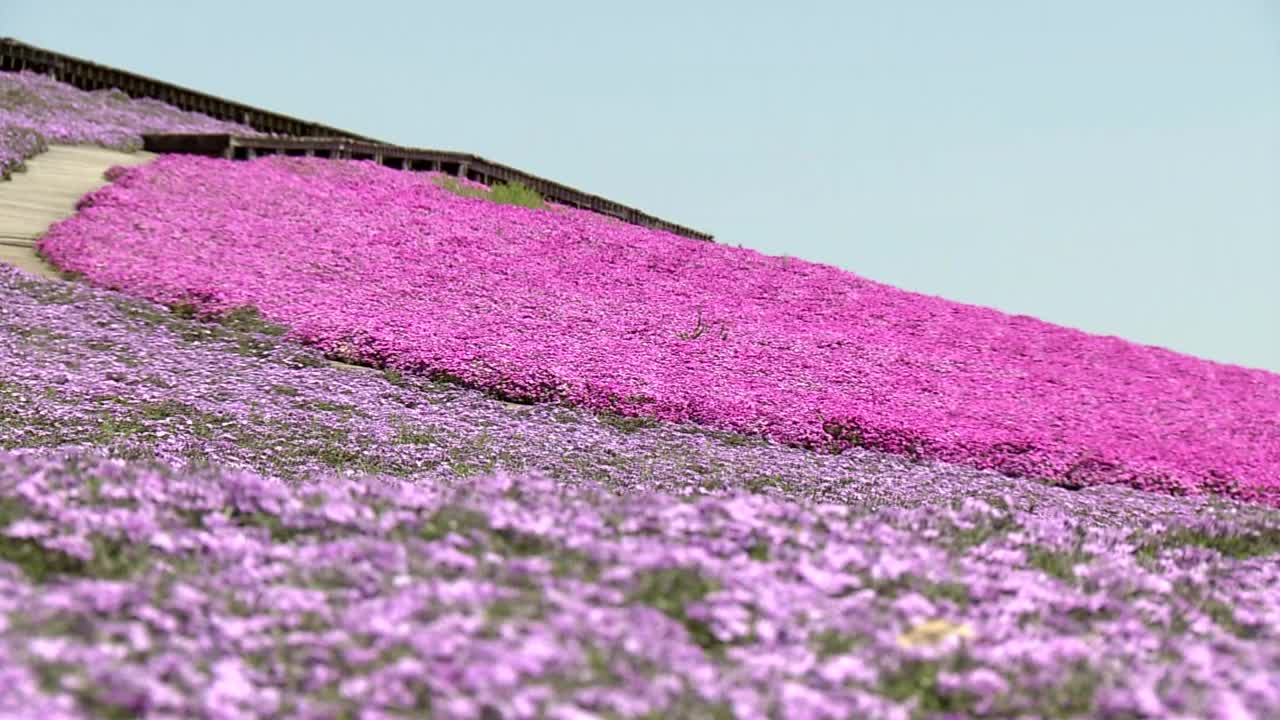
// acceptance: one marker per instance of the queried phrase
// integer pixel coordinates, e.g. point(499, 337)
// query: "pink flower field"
point(384, 267)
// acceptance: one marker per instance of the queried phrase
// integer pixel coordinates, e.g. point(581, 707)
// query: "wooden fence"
point(471, 167)
point(16, 56)
point(292, 136)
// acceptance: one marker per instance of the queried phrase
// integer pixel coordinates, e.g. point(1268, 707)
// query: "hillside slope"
point(386, 268)
point(205, 519)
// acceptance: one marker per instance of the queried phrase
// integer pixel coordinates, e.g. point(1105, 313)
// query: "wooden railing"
point(292, 136)
point(16, 56)
point(471, 167)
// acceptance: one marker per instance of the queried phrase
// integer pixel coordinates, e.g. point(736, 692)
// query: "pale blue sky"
point(1108, 166)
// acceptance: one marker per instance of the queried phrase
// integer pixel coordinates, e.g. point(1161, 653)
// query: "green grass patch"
point(627, 424)
point(761, 483)
point(1073, 697)
point(1225, 617)
point(961, 540)
point(468, 469)
point(955, 592)
point(918, 680)
point(341, 456)
point(112, 559)
point(38, 562)
point(112, 429)
point(410, 435)
point(524, 605)
point(453, 519)
point(1240, 546)
point(248, 319)
point(166, 409)
point(1057, 563)
point(280, 532)
point(830, 643)
point(907, 583)
point(671, 591)
point(327, 406)
point(514, 193)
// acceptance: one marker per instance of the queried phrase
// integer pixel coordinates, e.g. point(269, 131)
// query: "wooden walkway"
point(47, 192)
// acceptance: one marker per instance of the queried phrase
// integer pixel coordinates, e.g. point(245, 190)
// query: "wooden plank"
point(459, 164)
point(48, 191)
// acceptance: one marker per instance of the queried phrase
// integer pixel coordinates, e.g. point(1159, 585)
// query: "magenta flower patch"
point(384, 267)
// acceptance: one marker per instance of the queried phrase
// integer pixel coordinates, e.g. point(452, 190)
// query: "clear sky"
point(1108, 166)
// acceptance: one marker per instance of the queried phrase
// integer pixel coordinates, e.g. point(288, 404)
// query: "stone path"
point(47, 192)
